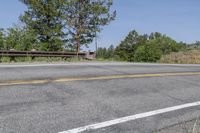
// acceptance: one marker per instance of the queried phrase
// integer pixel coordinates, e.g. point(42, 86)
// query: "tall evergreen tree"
point(84, 19)
point(128, 46)
point(45, 18)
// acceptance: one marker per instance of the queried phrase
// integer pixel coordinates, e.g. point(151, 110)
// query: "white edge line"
point(130, 118)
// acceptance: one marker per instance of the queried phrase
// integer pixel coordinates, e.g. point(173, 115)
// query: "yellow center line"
point(26, 82)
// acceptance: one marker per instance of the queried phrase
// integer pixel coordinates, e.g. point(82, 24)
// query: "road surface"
point(97, 97)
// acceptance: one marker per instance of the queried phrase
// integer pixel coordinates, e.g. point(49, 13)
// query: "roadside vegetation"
point(182, 57)
point(40, 59)
point(155, 47)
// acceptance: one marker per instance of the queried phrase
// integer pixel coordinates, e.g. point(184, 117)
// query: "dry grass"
point(185, 57)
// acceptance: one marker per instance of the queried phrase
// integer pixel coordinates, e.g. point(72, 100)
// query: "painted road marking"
point(26, 82)
point(131, 118)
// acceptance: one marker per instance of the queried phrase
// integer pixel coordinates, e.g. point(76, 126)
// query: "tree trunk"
point(78, 42)
point(79, 30)
point(77, 47)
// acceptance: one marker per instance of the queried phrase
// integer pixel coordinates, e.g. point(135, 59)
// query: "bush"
point(5, 59)
point(48, 59)
point(23, 59)
point(38, 59)
point(148, 53)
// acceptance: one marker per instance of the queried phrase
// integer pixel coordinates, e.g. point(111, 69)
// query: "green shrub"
point(23, 59)
point(49, 59)
point(148, 53)
point(75, 59)
point(40, 59)
point(5, 59)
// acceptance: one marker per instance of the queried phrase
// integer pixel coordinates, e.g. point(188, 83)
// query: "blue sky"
point(179, 19)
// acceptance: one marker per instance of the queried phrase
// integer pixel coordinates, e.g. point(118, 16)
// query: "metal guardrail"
point(87, 55)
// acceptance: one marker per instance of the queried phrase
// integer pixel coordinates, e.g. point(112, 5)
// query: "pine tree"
point(84, 19)
point(128, 46)
point(45, 18)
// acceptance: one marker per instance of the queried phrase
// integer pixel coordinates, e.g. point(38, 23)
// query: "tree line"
point(55, 25)
point(144, 48)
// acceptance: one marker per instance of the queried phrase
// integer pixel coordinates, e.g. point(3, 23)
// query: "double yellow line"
point(27, 82)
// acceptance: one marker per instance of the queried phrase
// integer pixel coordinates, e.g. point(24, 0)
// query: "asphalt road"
point(60, 106)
